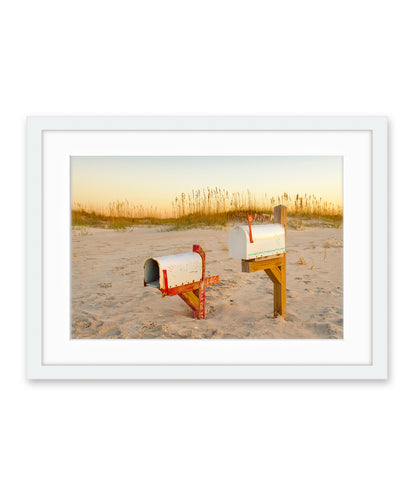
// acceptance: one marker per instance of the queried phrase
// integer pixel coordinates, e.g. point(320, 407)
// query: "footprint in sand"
point(105, 284)
point(116, 269)
point(82, 323)
point(110, 333)
point(85, 326)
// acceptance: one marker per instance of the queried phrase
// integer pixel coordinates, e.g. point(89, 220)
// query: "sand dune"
point(110, 301)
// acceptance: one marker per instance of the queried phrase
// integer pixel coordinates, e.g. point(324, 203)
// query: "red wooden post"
point(197, 249)
point(201, 314)
point(201, 290)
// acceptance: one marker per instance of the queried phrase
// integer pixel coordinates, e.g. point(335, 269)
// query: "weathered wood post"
point(279, 285)
point(280, 217)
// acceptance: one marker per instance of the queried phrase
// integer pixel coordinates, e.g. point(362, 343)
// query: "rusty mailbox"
point(183, 275)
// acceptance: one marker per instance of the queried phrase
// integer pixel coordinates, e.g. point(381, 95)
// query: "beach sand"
point(110, 301)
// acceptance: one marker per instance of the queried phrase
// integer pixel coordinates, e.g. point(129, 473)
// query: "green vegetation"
point(211, 207)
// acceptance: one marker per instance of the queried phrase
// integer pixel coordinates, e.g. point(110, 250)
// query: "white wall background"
point(187, 440)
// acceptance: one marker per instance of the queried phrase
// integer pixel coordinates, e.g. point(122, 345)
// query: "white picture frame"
point(42, 179)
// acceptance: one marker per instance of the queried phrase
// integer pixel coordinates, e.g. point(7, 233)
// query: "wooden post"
point(275, 268)
point(279, 287)
point(281, 291)
point(280, 217)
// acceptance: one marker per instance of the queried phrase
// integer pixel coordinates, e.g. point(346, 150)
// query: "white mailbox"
point(268, 240)
point(181, 269)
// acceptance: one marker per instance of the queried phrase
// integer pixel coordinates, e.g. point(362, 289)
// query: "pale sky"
point(157, 180)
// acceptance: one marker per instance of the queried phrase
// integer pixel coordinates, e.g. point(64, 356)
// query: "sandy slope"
point(110, 301)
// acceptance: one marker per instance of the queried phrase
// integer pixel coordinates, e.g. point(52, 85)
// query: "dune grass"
point(213, 207)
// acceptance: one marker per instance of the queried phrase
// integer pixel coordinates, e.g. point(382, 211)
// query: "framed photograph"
point(206, 248)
